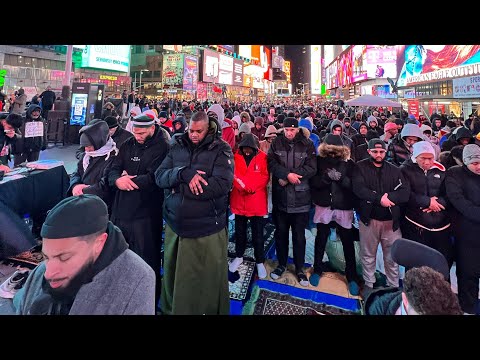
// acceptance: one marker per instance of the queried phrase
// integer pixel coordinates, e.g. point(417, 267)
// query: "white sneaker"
point(14, 283)
point(261, 271)
point(235, 264)
point(231, 217)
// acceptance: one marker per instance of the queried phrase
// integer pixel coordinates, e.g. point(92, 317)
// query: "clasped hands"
point(292, 178)
point(435, 206)
point(196, 183)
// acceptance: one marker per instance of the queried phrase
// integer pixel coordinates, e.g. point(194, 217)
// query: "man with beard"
point(138, 201)
point(197, 175)
point(380, 188)
point(89, 269)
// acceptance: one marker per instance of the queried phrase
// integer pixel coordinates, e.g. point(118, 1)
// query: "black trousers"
point(256, 223)
point(298, 222)
point(468, 274)
point(144, 237)
point(438, 240)
point(26, 156)
point(347, 239)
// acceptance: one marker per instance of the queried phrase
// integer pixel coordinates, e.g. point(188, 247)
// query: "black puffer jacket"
point(297, 156)
point(191, 215)
point(141, 160)
point(120, 136)
point(327, 192)
point(369, 185)
point(463, 191)
point(31, 144)
point(424, 185)
point(397, 152)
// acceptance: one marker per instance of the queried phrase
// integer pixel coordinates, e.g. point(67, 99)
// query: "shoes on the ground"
point(235, 264)
point(315, 279)
point(261, 271)
point(275, 274)
point(302, 278)
point(14, 283)
point(353, 288)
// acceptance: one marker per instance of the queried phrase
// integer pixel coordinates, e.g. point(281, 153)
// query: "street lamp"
point(141, 72)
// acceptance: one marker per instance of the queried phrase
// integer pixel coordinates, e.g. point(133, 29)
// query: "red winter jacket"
point(228, 134)
point(249, 193)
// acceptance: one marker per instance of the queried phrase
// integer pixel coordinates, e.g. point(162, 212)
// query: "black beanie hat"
point(111, 121)
point(76, 216)
point(290, 122)
point(331, 139)
point(280, 118)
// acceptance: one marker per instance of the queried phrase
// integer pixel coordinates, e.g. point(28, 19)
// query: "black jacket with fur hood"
point(327, 192)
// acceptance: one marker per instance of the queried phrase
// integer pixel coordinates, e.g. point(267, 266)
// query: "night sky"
point(299, 57)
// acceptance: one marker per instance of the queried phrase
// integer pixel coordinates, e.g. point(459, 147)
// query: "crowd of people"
point(197, 164)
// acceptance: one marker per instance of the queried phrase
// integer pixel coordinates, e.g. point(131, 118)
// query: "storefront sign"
point(210, 66)
point(108, 57)
point(108, 77)
point(173, 70)
point(413, 108)
point(473, 69)
point(190, 73)
point(409, 94)
point(466, 87)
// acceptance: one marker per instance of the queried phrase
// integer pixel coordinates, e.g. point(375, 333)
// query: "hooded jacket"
point(271, 132)
point(179, 132)
point(423, 185)
point(191, 215)
point(307, 124)
point(297, 156)
point(326, 192)
point(398, 151)
point(228, 134)
point(121, 284)
point(260, 134)
point(249, 193)
point(31, 144)
point(384, 301)
point(141, 160)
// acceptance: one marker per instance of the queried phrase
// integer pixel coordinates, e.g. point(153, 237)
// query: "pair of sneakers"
point(235, 264)
point(10, 287)
point(280, 269)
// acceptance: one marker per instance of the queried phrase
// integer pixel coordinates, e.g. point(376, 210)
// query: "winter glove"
point(334, 175)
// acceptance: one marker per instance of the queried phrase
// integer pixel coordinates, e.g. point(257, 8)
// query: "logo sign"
point(237, 72)
point(106, 57)
point(108, 77)
point(468, 87)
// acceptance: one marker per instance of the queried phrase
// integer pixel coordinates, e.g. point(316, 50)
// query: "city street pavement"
point(64, 153)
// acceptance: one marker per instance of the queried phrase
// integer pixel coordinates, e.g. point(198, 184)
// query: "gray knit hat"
point(471, 153)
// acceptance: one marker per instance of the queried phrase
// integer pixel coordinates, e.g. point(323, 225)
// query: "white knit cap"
point(422, 147)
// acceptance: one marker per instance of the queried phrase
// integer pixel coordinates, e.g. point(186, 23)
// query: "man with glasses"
point(380, 188)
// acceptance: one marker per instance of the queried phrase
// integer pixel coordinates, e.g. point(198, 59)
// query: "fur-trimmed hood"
point(326, 150)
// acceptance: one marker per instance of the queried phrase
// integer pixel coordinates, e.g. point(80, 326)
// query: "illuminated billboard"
point(359, 58)
point(425, 63)
point(316, 69)
point(237, 72)
point(190, 73)
point(381, 61)
point(210, 66)
point(287, 71)
point(328, 51)
point(245, 51)
point(331, 73)
point(225, 69)
point(173, 70)
point(345, 68)
point(106, 57)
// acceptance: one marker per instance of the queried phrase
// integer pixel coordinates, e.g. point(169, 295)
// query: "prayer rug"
point(239, 287)
point(277, 301)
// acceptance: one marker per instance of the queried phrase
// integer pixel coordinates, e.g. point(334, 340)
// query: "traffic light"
point(3, 73)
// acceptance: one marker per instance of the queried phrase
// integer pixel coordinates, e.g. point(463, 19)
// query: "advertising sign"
point(287, 71)
point(190, 73)
point(79, 109)
point(230, 48)
point(384, 91)
point(173, 70)
point(210, 66)
point(245, 51)
point(345, 68)
point(381, 61)
point(332, 81)
point(256, 76)
point(413, 108)
point(237, 72)
point(225, 69)
point(328, 51)
point(359, 53)
point(316, 69)
point(201, 91)
point(468, 87)
point(425, 63)
point(107, 57)
point(434, 107)
point(177, 48)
